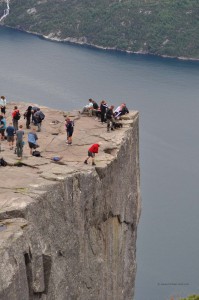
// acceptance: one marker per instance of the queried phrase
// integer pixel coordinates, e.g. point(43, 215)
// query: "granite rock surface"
point(68, 230)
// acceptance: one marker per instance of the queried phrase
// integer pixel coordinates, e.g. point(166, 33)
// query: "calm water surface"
point(166, 93)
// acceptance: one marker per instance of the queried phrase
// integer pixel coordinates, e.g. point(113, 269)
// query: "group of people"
point(106, 114)
point(14, 131)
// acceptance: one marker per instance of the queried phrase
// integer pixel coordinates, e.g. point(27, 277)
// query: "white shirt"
point(89, 105)
point(2, 102)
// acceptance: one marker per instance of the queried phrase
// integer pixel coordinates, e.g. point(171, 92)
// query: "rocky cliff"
point(68, 230)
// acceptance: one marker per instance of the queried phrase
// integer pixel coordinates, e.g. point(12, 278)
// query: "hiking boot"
point(86, 162)
point(93, 164)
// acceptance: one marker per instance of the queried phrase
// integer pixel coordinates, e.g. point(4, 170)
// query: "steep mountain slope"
point(163, 27)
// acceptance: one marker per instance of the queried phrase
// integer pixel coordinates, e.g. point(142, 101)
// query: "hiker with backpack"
point(69, 124)
point(38, 117)
point(15, 117)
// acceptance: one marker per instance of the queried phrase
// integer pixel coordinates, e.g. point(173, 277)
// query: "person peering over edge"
point(91, 153)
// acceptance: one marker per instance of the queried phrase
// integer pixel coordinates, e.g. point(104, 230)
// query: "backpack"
point(17, 115)
point(3, 163)
point(36, 153)
point(41, 116)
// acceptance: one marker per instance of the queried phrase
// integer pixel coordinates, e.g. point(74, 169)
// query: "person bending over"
point(32, 140)
point(91, 153)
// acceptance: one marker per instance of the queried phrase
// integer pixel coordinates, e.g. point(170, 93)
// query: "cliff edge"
point(68, 230)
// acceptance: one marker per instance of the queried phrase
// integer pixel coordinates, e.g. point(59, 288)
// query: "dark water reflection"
point(167, 95)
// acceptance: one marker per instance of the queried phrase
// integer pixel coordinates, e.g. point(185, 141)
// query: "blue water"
point(166, 93)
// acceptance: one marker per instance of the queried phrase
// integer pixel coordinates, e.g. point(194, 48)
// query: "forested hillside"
point(163, 27)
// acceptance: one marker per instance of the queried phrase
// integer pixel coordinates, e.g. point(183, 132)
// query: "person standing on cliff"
point(10, 135)
point(103, 109)
point(69, 124)
point(3, 105)
point(110, 118)
point(19, 141)
point(91, 153)
point(32, 140)
point(27, 116)
point(38, 117)
point(2, 127)
point(15, 117)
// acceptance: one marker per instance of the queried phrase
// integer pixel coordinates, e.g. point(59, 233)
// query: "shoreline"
point(80, 42)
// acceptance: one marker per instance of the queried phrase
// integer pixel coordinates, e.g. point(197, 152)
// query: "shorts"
point(32, 146)
point(91, 154)
point(10, 138)
point(69, 133)
point(2, 132)
point(3, 110)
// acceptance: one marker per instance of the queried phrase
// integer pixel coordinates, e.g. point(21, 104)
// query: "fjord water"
point(166, 93)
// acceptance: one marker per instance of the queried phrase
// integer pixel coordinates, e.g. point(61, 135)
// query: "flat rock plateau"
point(68, 230)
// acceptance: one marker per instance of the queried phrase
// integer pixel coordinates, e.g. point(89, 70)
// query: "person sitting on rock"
point(121, 110)
point(32, 140)
point(91, 153)
point(88, 107)
point(95, 108)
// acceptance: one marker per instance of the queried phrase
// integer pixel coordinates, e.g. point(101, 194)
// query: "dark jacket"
point(109, 114)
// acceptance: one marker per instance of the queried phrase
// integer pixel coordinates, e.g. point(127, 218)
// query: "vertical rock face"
point(76, 238)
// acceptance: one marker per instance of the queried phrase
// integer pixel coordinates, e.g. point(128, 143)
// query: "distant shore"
point(82, 42)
